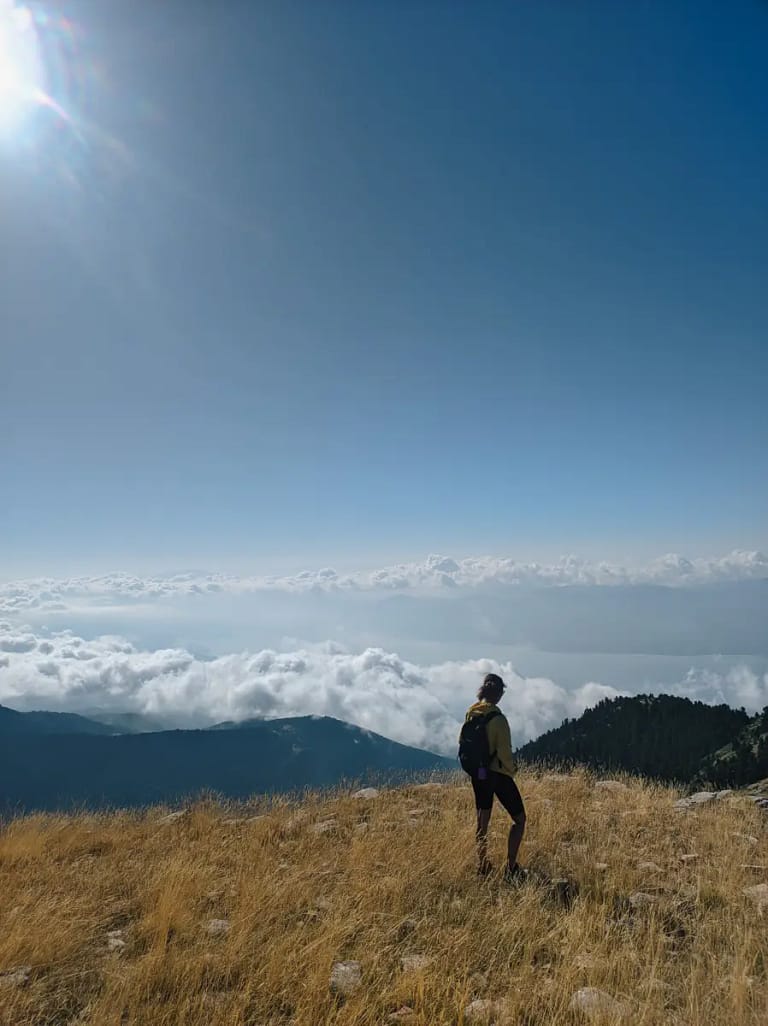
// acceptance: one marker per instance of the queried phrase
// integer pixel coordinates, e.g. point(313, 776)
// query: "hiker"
point(485, 752)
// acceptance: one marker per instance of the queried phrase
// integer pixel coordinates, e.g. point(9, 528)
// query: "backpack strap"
point(488, 717)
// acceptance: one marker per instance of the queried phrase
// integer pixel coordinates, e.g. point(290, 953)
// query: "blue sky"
point(313, 282)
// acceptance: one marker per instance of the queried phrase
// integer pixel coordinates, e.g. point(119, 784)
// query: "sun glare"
point(21, 66)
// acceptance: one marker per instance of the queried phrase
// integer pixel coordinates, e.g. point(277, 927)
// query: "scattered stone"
point(689, 858)
point(641, 899)
point(401, 1014)
point(486, 1011)
point(217, 927)
point(585, 961)
point(694, 801)
point(174, 817)
point(415, 963)
point(757, 893)
point(346, 978)
point(610, 785)
point(594, 1004)
point(601, 866)
point(556, 778)
point(115, 941)
point(294, 823)
point(18, 977)
point(361, 828)
point(648, 867)
point(326, 826)
point(432, 786)
point(726, 793)
point(746, 838)
point(366, 793)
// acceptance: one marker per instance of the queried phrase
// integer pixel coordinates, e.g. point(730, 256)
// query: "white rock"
point(702, 797)
point(18, 977)
point(366, 792)
point(640, 899)
point(689, 858)
point(217, 927)
point(746, 838)
point(648, 867)
point(486, 1011)
point(174, 817)
point(401, 1014)
point(327, 826)
point(346, 978)
point(594, 1004)
point(115, 941)
point(601, 866)
point(757, 893)
point(693, 801)
point(431, 786)
point(610, 785)
point(724, 794)
point(415, 963)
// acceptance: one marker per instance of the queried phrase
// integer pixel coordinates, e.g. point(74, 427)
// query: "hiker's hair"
point(491, 689)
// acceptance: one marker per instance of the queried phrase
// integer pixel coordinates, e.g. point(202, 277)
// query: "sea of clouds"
point(410, 645)
point(436, 573)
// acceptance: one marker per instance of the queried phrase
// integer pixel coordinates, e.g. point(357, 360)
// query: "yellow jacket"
point(499, 739)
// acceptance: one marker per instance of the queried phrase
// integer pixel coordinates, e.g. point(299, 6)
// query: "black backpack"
point(474, 750)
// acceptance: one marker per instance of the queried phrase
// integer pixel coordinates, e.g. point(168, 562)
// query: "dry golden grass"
point(299, 900)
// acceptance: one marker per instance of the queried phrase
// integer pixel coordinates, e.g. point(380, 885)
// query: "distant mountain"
point(653, 735)
point(126, 723)
point(67, 771)
point(742, 761)
point(13, 722)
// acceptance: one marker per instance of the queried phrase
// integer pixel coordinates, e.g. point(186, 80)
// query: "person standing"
point(485, 753)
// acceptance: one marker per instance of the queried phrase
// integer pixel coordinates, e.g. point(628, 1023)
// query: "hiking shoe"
point(515, 874)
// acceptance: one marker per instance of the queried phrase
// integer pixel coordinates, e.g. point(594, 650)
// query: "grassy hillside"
point(238, 915)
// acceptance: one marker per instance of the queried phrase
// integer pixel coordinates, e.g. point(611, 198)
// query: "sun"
point(21, 66)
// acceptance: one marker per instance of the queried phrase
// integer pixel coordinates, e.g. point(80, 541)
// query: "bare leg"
point(483, 822)
point(516, 832)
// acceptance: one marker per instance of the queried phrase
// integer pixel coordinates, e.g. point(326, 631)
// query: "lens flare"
point(22, 74)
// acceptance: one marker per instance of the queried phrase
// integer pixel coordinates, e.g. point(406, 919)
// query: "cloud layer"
point(375, 689)
point(435, 574)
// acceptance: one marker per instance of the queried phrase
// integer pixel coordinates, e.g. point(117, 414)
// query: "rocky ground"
point(641, 907)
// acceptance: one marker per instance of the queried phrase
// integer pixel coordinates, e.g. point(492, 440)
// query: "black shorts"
point(502, 787)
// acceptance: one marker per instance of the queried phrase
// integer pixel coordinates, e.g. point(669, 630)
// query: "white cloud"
point(436, 574)
point(375, 689)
